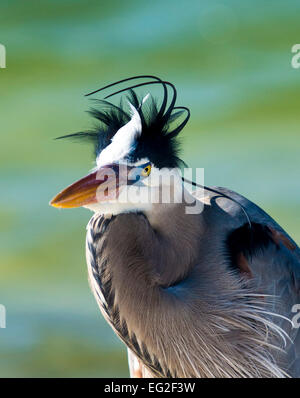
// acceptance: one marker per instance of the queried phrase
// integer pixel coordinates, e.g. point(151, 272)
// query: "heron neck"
point(133, 260)
point(150, 287)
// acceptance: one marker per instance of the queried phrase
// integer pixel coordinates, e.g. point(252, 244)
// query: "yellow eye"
point(146, 171)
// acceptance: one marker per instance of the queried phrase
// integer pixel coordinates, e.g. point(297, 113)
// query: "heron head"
point(136, 156)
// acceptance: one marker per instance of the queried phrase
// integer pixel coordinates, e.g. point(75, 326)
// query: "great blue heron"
point(207, 294)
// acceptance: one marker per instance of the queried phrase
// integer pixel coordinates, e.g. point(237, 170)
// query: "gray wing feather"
point(276, 269)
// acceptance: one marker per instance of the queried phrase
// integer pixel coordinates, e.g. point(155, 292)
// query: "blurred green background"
point(231, 63)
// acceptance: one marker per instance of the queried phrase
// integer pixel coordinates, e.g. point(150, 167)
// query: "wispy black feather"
point(157, 142)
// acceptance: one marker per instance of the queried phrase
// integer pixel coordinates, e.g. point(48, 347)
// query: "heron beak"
point(100, 186)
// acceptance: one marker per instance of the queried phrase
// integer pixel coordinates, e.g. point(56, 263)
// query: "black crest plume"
point(158, 140)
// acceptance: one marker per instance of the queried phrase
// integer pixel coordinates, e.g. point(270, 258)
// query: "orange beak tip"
point(54, 204)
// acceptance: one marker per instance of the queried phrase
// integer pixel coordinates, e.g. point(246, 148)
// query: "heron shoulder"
point(235, 210)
